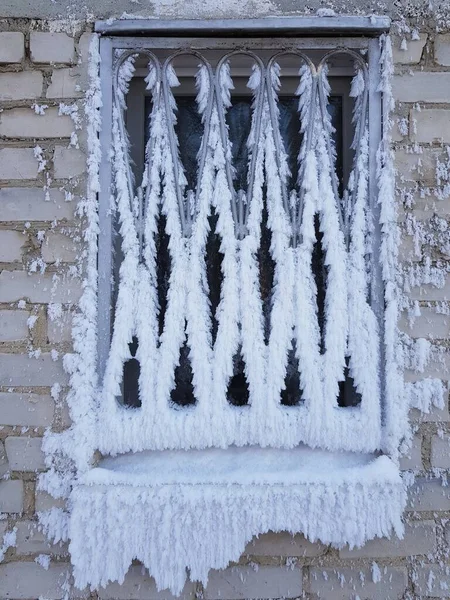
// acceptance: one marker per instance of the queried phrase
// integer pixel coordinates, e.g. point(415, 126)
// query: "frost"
point(31, 321)
point(43, 560)
point(9, 541)
point(376, 573)
point(39, 109)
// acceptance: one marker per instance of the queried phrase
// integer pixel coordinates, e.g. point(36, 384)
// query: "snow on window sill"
point(178, 504)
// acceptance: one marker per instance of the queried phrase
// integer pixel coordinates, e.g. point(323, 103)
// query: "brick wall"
point(41, 179)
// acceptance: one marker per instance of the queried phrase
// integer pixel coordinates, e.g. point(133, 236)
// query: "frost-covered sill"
point(197, 509)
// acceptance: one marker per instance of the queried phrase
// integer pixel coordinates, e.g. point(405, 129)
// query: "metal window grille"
point(170, 55)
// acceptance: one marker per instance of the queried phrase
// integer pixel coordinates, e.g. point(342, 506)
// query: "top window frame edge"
point(372, 26)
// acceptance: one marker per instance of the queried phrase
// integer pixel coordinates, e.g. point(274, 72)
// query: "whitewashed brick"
point(431, 292)
point(413, 459)
point(430, 325)
point(18, 163)
point(25, 453)
point(442, 49)
point(245, 583)
point(428, 495)
point(15, 285)
point(435, 415)
point(4, 467)
point(13, 326)
point(12, 47)
point(11, 496)
point(432, 581)
point(11, 243)
point(283, 544)
point(417, 167)
point(48, 47)
point(27, 410)
point(20, 369)
point(440, 452)
point(413, 52)
point(44, 501)
point(343, 583)
point(138, 585)
point(28, 581)
point(58, 246)
point(430, 125)
point(420, 538)
point(421, 87)
point(68, 162)
point(26, 85)
point(29, 540)
point(64, 84)
point(60, 330)
point(29, 204)
point(25, 123)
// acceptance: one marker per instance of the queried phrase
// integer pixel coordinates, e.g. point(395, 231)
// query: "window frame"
point(324, 33)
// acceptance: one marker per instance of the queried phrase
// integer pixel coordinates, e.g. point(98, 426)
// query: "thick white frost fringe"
point(178, 525)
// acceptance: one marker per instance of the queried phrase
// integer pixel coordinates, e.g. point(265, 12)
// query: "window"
point(237, 293)
point(243, 330)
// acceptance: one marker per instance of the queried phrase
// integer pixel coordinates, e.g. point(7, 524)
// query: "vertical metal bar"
point(375, 132)
point(105, 239)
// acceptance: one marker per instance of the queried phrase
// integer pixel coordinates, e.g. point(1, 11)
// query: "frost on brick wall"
point(160, 480)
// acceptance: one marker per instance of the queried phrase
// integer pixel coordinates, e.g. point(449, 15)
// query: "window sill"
point(168, 509)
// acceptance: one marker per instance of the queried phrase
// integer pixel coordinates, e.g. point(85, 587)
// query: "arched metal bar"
point(240, 220)
point(359, 128)
point(278, 141)
point(121, 110)
point(185, 216)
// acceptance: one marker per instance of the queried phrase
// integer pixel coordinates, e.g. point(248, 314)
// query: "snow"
point(227, 495)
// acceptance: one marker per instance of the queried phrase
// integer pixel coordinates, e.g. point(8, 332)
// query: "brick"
point(43, 502)
point(413, 52)
point(11, 496)
point(431, 292)
point(15, 285)
point(60, 330)
point(11, 243)
point(25, 123)
point(20, 369)
point(68, 162)
point(48, 47)
point(138, 585)
point(246, 583)
point(421, 87)
point(64, 84)
point(18, 163)
point(420, 538)
point(430, 125)
point(283, 544)
point(29, 204)
point(26, 410)
point(442, 49)
point(432, 580)
point(4, 467)
point(25, 453)
point(58, 246)
point(26, 85)
point(29, 540)
point(440, 452)
point(343, 583)
point(28, 580)
point(12, 47)
point(435, 415)
point(430, 325)
point(413, 460)
point(417, 167)
point(3, 529)
point(13, 326)
point(428, 495)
